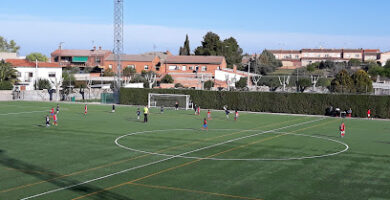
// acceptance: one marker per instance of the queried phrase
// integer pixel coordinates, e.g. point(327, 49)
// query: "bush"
point(179, 85)
point(167, 79)
point(43, 84)
point(208, 84)
point(6, 85)
point(242, 82)
point(295, 103)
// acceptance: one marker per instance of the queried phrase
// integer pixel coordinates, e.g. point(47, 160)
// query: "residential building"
point(138, 62)
point(194, 64)
point(385, 56)
point(30, 72)
point(8, 55)
point(300, 58)
point(80, 58)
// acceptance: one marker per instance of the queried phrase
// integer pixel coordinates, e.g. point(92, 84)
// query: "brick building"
point(80, 58)
point(147, 62)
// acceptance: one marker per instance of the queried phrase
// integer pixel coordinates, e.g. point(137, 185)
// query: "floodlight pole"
point(118, 43)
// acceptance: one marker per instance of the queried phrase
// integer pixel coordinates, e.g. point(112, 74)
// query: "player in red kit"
point(342, 130)
point(205, 124)
point(85, 109)
point(235, 115)
point(369, 113)
point(208, 114)
point(55, 119)
point(52, 112)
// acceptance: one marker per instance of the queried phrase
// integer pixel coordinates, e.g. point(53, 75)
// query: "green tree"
point(68, 79)
point(7, 73)
point(43, 84)
point(242, 83)
point(167, 79)
point(323, 82)
point(108, 72)
point(10, 46)
point(342, 82)
point(185, 50)
point(129, 72)
point(266, 63)
point(354, 62)
point(208, 84)
point(362, 81)
point(232, 52)
point(387, 65)
point(304, 83)
point(179, 85)
point(6, 85)
point(36, 56)
point(327, 65)
point(211, 45)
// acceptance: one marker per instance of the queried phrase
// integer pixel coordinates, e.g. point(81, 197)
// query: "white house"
point(30, 72)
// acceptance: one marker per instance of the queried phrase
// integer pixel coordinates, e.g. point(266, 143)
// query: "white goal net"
point(169, 100)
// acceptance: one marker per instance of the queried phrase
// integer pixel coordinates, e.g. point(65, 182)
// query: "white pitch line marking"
point(158, 161)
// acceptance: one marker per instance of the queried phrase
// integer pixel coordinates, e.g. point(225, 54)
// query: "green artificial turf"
point(79, 158)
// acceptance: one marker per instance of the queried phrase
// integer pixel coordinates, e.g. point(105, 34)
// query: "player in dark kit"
point(113, 108)
point(47, 121)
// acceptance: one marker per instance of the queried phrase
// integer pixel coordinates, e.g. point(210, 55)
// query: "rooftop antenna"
point(118, 43)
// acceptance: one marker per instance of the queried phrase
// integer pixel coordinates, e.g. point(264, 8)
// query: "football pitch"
point(106, 155)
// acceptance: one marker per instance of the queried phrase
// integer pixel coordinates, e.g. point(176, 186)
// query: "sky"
point(160, 25)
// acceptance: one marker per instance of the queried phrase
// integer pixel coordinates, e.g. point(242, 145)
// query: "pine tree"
point(185, 50)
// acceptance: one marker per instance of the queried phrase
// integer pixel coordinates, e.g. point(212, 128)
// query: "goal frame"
point(187, 97)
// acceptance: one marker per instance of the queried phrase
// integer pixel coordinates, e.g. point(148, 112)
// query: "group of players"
point(54, 115)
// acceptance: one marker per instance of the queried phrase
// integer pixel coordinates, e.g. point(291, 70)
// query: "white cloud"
point(44, 36)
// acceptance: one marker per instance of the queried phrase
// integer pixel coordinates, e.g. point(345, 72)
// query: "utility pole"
point(118, 43)
point(249, 69)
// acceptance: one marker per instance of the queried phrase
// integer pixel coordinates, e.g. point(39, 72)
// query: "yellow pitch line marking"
point(193, 191)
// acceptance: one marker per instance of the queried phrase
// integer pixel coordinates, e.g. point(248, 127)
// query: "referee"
point(146, 112)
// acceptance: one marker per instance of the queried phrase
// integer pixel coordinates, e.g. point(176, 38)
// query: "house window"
point(97, 60)
point(197, 68)
point(109, 66)
point(191, 68)
point(326, 55)
point(296, 56)
point(146, 67)
point(219, 67)
point(131, 66)
point(204, 68)
point(172, 67)
point(30, 74)
point(357, 55)
point(52, 74)
point(18, 74)
point(184, 68)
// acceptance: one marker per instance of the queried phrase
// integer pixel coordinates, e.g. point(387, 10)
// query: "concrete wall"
point(6, 95)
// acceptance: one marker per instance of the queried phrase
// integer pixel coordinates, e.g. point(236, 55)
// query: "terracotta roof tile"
point(79, 52)
point(194, 60)
point(26, 63)
point(135, 58)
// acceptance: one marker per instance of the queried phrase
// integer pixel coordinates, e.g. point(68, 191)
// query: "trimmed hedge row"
point(294, 103)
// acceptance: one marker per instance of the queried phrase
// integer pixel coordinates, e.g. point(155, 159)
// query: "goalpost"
point(169, 100)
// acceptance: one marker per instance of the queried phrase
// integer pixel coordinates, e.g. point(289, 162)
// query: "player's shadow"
point(57, 179)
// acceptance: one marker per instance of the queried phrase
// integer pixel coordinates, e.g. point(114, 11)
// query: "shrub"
point(208, 84)
point(6, 85)
point(43, 84)
point(179, 85)
point(295, 103)
point(167, 79)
